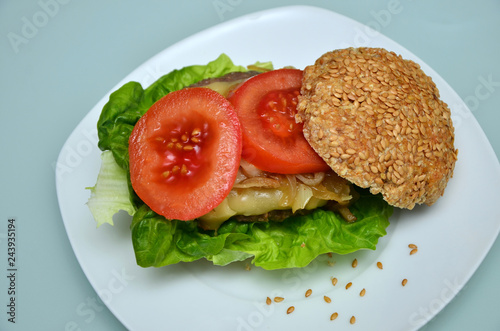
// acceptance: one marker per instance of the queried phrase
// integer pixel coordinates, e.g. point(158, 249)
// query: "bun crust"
point(378, 121)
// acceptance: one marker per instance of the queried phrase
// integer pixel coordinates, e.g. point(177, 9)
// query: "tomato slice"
point(272, 140)
point(185, 153)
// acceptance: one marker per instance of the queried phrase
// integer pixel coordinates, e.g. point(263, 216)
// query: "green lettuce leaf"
point(295, 242)
point(127, 104)
point(110, 193)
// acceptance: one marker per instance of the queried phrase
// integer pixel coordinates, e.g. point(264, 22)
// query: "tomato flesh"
point(272, 141)
point(277, 110)
point(185, 153)
point(185, 148)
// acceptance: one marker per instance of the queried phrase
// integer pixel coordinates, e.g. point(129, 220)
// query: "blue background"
point(53, 73)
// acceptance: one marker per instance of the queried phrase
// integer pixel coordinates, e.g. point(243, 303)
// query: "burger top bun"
point(377, 120)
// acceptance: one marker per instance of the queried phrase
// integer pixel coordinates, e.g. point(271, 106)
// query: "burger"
point(274, 166)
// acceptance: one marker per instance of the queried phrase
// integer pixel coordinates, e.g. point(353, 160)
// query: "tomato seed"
point(184, 170)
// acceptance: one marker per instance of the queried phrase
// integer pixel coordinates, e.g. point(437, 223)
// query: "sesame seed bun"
point(378, 121)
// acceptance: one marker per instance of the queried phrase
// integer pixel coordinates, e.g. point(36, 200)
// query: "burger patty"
point(227, 78)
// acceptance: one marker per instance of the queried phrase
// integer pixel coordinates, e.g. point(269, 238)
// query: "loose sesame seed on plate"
point(334, 316)
point(379, 265)
point(278, 299)
point(327, 299)
point(308, 293)
point(290, 309)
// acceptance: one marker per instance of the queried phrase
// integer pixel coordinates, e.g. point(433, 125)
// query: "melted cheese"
point(257, 201)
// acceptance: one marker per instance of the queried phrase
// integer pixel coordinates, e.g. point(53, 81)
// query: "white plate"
point(453, 236)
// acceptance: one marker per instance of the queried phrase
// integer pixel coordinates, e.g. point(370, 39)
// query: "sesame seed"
point(412, 246)
point(413, 251)
point(354, 263)
point(379, 265)
point(350, 151)
point(352, 320)
point(290, 309)
point(278, 299)
point(404, 282)
point(348, 285)
point(334, 281)
point(327, 299)
point(268, 301)
point(334, 316)
point(308, 293)
point(362, 293)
